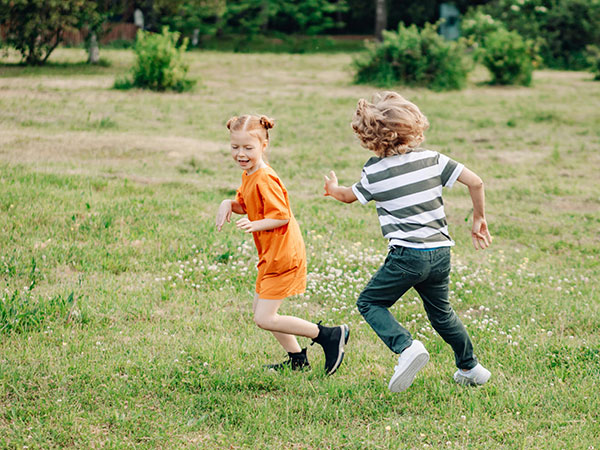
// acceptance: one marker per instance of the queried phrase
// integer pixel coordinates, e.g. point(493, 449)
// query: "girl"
point(282, 257)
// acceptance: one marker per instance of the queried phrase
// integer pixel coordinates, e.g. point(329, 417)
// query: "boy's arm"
point(341, 193)
point(479, 233)
point(225, 209)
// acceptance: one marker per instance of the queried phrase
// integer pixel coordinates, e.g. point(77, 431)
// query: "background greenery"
point(126, 319)
point(562, 30)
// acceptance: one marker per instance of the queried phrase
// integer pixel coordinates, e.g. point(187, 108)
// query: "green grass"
point(125, 318)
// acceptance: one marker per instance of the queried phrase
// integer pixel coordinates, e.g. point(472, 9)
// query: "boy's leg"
point(388, 284)
point(434, 293)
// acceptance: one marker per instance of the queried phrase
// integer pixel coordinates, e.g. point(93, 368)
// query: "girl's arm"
point(260, 225)
point(341, 193)
point(224, 213)
point(479, 233)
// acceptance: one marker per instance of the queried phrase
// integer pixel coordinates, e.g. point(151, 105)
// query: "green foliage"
point(248, 18)
point(35, 28)
point(508, 57)
point(159, 63)
point(414, 57)
point(593, 57)
point(476, 25)
point(190, 15)
point(562, 28)
point(298, 16)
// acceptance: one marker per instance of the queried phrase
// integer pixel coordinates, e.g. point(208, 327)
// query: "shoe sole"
point(403, 381)
point(466, 381)
point(343, 342)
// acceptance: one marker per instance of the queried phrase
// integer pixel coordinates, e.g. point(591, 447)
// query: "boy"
point(406, 183)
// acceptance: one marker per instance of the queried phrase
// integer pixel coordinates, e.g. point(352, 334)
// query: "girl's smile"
point(247, 150)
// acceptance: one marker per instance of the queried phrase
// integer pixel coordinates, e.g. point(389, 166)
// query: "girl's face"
point(247, 150)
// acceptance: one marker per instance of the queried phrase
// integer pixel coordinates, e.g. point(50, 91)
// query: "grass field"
point(125, 318)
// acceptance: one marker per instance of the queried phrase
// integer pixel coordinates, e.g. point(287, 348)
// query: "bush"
point(160, 63)
point(561, 28)
point(414, 57)
point(593, 58)
point(476, 25)
point(508, 57)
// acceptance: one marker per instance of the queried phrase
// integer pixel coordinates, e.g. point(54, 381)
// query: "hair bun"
point(231, 121)
point(266, 122)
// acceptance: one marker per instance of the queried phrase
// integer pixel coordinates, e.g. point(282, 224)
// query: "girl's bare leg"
point(284, 328)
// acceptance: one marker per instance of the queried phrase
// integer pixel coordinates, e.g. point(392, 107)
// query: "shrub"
point(414, 57)
point(159, 63)
point(561, 28)
point(476, 25)
point(593, 58)
point(508, 57)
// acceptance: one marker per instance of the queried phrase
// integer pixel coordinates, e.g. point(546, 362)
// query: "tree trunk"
point(380, 18)
point(93, 50)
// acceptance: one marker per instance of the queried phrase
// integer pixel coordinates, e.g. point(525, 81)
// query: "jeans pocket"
point(441, 268)
point(406, 266)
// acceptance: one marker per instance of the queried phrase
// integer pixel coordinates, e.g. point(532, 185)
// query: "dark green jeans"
point(429, 273)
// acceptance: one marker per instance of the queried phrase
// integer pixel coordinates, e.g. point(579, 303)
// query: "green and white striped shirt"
point(407, 190)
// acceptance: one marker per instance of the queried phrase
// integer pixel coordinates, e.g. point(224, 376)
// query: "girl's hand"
point(331, 183)
point(247, 225)
point(480, 234)
point(223, 214)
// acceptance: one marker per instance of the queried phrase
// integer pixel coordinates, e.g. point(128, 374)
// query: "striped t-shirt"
point(407, 190)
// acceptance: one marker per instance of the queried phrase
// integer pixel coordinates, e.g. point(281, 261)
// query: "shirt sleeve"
point(361, 190)
point(450, 170)
point(274, 198)
point(240, 199)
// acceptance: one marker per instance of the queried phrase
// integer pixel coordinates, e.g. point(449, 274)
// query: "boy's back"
point(407, 190)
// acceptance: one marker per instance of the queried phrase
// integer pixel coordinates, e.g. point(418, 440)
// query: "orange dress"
point(281, 253)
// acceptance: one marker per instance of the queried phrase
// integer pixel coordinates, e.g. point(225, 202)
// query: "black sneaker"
point(332, 339)
point(295, 361)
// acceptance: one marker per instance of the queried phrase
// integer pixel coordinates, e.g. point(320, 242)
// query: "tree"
point(93, 20)
point(36, 27)
point(380, 18)
point(288, 16)
point(192, 18)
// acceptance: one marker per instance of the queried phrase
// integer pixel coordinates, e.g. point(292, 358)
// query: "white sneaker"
point(477, 376)
point(410, 361)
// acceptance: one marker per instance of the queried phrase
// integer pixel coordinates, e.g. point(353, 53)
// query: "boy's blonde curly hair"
point(389, 125)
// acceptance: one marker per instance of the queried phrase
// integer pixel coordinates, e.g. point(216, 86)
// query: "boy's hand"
point(246, 225)
point(480, 234)
point(223, 214)
point(331, 183)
